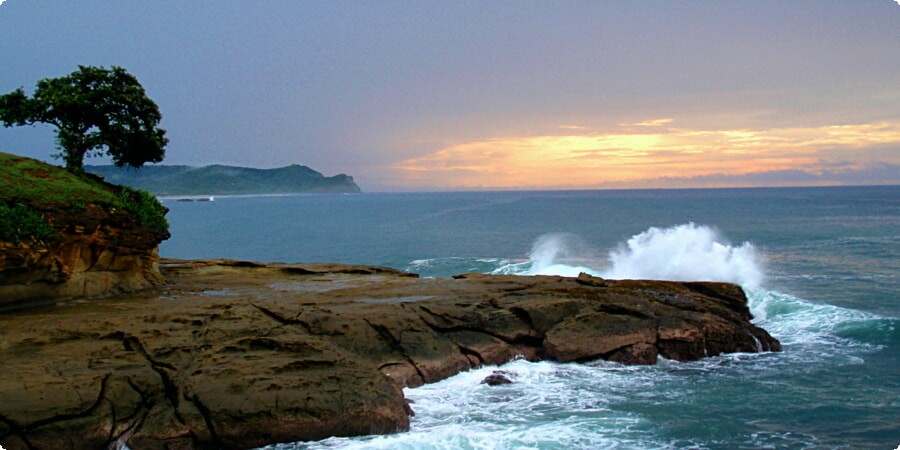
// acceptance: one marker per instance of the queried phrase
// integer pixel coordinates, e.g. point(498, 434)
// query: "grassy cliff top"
point(29, 181)
point(30, 190)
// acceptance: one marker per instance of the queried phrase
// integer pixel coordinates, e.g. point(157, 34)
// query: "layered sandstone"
point(100, 250)
point(237, 355)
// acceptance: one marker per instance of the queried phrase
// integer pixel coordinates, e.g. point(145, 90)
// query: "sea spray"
point(560, 254)
point(685, 252)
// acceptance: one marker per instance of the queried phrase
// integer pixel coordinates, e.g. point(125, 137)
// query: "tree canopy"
point(92, 108)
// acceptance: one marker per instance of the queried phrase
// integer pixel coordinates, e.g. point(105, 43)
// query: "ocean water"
point(821, 267)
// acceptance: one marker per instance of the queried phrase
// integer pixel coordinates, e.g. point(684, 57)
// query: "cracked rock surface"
point(234, 355)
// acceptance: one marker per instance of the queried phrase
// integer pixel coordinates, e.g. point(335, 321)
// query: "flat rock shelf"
point(235, 354)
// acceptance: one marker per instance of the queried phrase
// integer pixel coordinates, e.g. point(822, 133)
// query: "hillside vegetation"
point(26, 180)
point(30, 189)
point(225, 180)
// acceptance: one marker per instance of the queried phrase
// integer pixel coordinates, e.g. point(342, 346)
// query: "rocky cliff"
point(238, 355)
point(66, 235)
point(98, 251)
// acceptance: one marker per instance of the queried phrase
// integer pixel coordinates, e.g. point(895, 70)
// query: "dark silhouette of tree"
point(92, 108)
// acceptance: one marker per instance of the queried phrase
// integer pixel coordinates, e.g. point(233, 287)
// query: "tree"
point(92, 108)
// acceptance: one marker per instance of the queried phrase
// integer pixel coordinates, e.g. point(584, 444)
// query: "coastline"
point(200, 197)
point(240, 354)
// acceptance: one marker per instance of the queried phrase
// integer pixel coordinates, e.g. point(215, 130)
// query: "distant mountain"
point(225, 180)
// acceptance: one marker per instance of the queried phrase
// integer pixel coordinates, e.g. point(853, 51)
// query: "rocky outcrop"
point(238, 355)
point(497, 378)
point(99, 251)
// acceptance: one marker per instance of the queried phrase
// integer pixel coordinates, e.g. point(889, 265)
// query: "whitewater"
point(822, 279)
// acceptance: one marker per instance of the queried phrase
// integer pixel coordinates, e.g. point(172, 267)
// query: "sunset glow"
point(432, 96)
point(638, 154)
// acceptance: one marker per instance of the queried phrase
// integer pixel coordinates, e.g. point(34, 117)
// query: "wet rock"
point(593, 335)
point(590, 280)
point(232, 354)
point(497, 378)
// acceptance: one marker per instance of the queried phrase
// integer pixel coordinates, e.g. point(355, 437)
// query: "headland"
point(103, 344)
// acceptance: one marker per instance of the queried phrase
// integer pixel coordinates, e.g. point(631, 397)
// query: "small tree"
point(92, 108)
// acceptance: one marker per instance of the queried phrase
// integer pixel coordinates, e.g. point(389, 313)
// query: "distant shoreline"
point(215, 197)
point(218, 180)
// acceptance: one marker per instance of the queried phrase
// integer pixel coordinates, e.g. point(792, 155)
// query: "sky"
point(461, 95)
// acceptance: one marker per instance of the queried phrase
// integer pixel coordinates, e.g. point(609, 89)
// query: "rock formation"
point(99, 250)
point(237, 355)
point(497, 378)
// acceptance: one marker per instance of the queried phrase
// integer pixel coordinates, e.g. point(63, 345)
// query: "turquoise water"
point(820, 266)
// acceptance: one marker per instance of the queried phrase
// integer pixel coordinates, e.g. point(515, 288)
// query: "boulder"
point(497, 378)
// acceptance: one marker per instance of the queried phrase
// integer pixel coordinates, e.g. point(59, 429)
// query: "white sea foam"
point(549, 405)
point(559, 254)
point(685, 252)
point(795, 321)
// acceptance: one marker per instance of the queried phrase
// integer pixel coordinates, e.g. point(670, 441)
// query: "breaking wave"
point(607, 405)
point(687, 252)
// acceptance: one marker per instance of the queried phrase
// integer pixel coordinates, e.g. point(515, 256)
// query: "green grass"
point(19, 222)
point(145, 207)
point(28, 186)
point(26, 181)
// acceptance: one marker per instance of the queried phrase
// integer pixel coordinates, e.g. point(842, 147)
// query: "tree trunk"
point(74, 160)
point(74, 146)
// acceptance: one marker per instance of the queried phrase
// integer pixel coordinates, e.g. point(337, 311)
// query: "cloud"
point(843, 173)
point(650, 123)
point(629, 157)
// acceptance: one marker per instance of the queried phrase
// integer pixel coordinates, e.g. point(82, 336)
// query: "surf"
point(686, 252)
point(607, 405)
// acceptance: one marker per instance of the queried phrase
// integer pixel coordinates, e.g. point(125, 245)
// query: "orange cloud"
point(650, 123)
point(585, 160)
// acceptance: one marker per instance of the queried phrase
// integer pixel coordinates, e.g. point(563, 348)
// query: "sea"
point(820, 266)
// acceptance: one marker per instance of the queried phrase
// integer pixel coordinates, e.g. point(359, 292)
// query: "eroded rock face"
point(238, 355)
point(98, 252)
